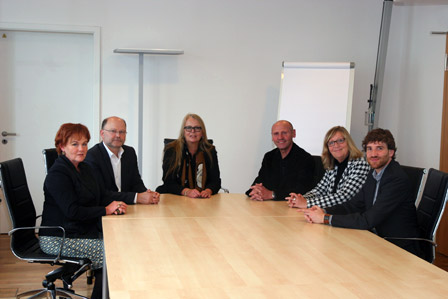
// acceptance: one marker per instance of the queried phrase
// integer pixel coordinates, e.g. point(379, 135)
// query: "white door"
point(46, 79)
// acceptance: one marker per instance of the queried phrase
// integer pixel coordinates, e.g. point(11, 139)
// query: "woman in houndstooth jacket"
point(346, 172)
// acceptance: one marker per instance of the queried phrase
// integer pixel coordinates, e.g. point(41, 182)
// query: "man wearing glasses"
point(286, 169)
point(115, 164)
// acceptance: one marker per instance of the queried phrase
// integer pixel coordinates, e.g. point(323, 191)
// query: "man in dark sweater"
point(287, 168)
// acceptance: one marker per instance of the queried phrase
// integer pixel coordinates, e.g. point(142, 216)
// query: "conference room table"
point(229, 246)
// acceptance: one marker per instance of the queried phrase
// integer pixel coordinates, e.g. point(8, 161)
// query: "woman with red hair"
point(75, 201)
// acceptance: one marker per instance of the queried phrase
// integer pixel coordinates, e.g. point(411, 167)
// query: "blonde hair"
point(179, 144)
point(327, 158)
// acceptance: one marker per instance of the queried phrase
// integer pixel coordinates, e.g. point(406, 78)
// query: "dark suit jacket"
point(392, 215)
point(131, 181)
point(74, 200)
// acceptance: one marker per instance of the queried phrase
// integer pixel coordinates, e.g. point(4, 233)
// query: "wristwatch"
point(327, 219)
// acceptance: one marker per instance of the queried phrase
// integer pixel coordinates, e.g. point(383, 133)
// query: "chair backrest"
point(319, 170)
point(168, 140)
point(416, 176)
point(50, 155)
point(20, 204)
point(430, 209)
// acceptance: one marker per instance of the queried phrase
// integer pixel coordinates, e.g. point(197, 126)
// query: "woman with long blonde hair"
point(345, 172)
point(190, 163)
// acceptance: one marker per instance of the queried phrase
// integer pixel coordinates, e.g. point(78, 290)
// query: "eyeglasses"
point(338, 141)
point(192, 129)
point(115, 132)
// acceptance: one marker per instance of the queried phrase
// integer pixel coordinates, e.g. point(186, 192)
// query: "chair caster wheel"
point(89, 276)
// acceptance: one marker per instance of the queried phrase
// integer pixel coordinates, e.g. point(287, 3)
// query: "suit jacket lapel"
point(370, 190)
point(124, 169)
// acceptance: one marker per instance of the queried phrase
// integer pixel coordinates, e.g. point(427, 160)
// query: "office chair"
point(50, 155)
point(319, 170)
point(168, 140)
point(24, 242)
point(429, 212)
point(416, 176)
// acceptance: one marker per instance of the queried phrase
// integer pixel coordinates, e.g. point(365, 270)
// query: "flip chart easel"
point(315, 97)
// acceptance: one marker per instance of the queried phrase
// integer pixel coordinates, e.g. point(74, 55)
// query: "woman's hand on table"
point(116, 208)
point(296, 200)
point(206, 193)
point(193, 193)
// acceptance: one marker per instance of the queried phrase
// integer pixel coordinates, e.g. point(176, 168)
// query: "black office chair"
point(24, 242)
point(168, 140)
point(50, 155)
point(430, 211)
point(416, 176)
point(319, 170)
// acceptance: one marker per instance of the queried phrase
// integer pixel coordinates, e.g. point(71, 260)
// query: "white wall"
point(413, 85)
point(230, 73)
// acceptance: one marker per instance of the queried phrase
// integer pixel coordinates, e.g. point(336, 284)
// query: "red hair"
point(66, 131)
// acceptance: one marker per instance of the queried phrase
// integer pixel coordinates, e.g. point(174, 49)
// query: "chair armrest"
point(58, 257)
point(413, 239)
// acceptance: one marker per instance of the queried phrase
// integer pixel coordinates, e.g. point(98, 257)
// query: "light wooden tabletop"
point(231, 247)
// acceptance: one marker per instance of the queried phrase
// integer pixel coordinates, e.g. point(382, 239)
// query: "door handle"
point(4, 134)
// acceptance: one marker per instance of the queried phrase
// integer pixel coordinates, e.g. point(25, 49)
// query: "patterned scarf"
point(194, 172)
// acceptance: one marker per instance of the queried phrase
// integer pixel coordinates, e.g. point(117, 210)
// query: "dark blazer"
point(131, 181)
point(173, 183)
point(392, 215)
point(74, 200)
point(294, 173)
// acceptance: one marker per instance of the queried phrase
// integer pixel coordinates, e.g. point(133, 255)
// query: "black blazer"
point(74, 200)
point(392, 215)
point(131, 181)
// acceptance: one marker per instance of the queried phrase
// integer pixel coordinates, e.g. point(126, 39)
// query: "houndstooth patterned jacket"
point(352, 179)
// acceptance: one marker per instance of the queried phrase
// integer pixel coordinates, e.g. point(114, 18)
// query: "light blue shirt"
point(377, 177)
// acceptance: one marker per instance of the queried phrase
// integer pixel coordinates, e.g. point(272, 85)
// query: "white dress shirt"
point(116, 165)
